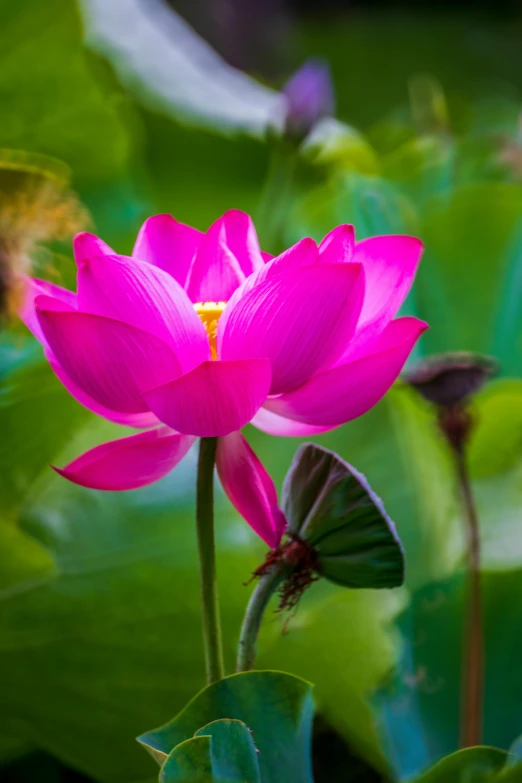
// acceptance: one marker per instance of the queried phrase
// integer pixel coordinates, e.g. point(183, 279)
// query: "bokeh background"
point(158, 107)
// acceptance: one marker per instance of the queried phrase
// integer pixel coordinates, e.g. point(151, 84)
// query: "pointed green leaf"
point(331, 506)
point(276, 707)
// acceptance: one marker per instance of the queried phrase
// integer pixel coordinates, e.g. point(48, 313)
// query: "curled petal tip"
point(61, 471)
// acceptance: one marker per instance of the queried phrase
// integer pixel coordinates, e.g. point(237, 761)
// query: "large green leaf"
point(112, 642)
point(277, 708)
point(101, 634)
point(469, 279)
point(94, 647)
point(52, 98)
point(33, 434)
point(23, 559)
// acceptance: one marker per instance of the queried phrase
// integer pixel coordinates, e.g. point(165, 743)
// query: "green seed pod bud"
point(448, 379)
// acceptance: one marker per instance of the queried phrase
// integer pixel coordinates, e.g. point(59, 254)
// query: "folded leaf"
point(331, 506)
point(276, 707)
point(222, 751)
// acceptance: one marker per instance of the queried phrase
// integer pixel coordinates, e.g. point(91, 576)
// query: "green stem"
point(259, 600)
point(473, 659)
point(207, 560)
point(275, 198)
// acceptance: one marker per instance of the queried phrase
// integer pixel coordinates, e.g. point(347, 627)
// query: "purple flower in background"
point(309, 98)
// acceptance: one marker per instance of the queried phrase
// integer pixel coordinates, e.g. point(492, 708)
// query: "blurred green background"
point(99, 610)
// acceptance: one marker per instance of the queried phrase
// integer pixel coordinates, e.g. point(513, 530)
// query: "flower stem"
point(473, 658)
point(207, 560)
point(259, 600)
point(276, 195)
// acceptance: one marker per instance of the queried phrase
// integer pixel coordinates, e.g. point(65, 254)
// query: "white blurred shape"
point(157, 55)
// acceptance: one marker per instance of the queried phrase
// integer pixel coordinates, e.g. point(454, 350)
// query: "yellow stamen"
point(210, 312)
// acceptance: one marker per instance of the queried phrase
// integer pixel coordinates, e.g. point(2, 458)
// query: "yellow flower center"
point(209, 313)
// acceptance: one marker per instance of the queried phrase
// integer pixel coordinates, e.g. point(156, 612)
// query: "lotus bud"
point(309, 98)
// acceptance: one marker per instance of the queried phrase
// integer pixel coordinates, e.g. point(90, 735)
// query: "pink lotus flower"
point(198, 334)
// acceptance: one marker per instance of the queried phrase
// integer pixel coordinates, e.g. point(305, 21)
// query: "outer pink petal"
point(34, 288)
point(129, 463)
point(241, 239)
point(87, 245)
point(337, 247)
point(110, 361)
point(214, 399)
point(67, 302)
point(138, 420)
point(300, 322)
point(249, 488)
point(144, 296)
point(170, 245)
point(270, 422)
point(342, 393)
point(390, 264)
point(215, 272)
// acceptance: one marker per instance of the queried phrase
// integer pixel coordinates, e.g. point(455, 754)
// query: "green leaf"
point(223, 751)
point(276, 707)
point(33, 434)
point(331, 506)
point(95, 650)
point(372, 204)
point(23, 559)
point(512, 773)
point(473, 765)
point(234, 754)
point(50, 97)
point(422, 167)
point(470, 272)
